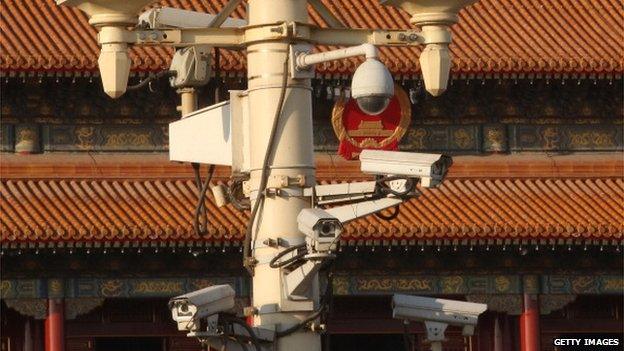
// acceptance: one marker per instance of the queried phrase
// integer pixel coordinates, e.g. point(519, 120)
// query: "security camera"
point(187, 310)
point(372, 86)
point(321, 228)
point(430, 168)
point(168, 17)
point(451, 312)
point(191, 66)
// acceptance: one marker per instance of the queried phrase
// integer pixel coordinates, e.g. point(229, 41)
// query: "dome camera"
point(372, 86)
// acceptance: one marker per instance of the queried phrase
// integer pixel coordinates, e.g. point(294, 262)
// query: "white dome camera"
point(372, 86)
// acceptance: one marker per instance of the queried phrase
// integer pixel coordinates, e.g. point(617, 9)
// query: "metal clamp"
point(275, 182)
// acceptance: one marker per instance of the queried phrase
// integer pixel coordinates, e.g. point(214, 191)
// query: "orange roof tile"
point(98, 206)
point(493, 36)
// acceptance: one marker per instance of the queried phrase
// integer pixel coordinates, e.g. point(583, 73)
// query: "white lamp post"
point(280, 150)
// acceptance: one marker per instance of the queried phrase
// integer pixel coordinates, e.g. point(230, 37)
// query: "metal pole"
point(188, 100)
point(368, 50)
point(293, 156)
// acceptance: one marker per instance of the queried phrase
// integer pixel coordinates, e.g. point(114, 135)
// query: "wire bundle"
point(248, 260)
point(200, 220)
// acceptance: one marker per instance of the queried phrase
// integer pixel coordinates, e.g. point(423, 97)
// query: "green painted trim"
point(343, 285)
point(7, 137)
point(113, 288)
point(426, 284)
point(582, 284)
point(477, 284)
point(425, 135)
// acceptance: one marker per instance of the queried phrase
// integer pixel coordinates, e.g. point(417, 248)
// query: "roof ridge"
point(157, 166)
point(535, 38)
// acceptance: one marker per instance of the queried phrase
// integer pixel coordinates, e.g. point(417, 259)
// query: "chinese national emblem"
point(357, 130)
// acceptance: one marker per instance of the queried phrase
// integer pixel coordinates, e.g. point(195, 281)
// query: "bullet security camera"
point(168, 17)
point(187, 310)
point(430, 168)
point(427, 309)
point(372, 86)
point(321, 228)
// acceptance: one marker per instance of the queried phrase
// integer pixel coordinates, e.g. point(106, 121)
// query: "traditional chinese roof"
point(543, 37)
point(52, 199)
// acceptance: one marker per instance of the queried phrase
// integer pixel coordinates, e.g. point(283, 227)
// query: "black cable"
point(200, 207)
point(291, 260)
point(235, 339)
point(324, 303)
point(252, 335)
point(394, 214)
point(200, 204)
point(410, 184)
point(236, 196)
point(247, 260)
point(274, 261)
point(150, 78)
point(329, 289)
point(406, 341)
point(225, 337)
point(300, 325)
point(241, 343)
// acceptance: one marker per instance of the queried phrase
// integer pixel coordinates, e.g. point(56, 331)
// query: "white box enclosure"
point(213, 135)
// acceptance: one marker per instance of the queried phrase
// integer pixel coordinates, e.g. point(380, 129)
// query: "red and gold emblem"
point(357, 130)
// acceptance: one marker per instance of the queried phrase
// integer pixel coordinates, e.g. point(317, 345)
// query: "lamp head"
point(430, 11)
point(435, 66)
point(372, 86)
point(435, 18)
point(109, 12)
point(112, 18)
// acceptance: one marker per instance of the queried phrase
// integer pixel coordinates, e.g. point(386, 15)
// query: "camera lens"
point(327, 229)
point(374, 104)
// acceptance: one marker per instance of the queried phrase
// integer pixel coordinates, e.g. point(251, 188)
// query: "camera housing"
point(427, 309)
point(191, 65)
point(430, 168)
point(187, 310)
point(322, 230)
point(169, 17)
point(372, 86)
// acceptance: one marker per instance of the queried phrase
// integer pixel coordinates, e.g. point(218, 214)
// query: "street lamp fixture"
point(114, 17)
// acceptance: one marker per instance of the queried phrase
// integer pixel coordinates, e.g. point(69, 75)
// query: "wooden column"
point(498, 333)
point(529, 324)
point(38, 335)
point(28, 337)
point(54, 326)
point(508, 331)
point(485, 329)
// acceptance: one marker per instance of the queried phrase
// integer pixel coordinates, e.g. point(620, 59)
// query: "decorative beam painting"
point(346, 285)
